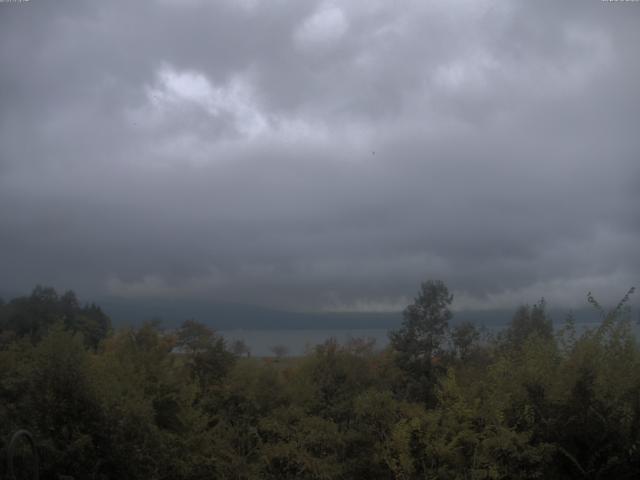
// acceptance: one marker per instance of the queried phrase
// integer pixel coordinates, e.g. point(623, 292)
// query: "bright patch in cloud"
point(468, 74)
point(324, 28)
point(175, 89)
point(194, 120)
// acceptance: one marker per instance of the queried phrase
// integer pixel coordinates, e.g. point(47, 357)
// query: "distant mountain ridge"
point(226, 316)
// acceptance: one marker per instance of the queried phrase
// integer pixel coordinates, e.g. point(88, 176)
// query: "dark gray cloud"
point(321, 154)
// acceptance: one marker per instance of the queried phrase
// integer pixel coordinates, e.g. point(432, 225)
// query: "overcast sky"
point(321, 155)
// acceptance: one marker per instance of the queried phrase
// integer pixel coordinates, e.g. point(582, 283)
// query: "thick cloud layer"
point(321, 155)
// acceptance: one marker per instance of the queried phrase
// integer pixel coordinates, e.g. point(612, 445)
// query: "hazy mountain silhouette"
point(225, 316)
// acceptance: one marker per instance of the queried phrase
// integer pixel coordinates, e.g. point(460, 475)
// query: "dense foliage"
point(439, 402)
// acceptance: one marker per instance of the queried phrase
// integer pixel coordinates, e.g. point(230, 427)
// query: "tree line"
point(442, 401)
